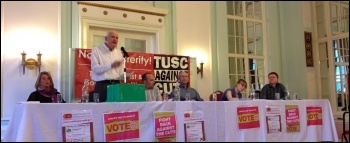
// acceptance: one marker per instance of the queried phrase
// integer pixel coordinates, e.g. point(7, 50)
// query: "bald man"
point(152, 92)
point(183, 77)
point(107, 66)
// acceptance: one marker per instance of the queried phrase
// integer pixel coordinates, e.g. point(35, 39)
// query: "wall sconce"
point(31, 63)
point(200, 70)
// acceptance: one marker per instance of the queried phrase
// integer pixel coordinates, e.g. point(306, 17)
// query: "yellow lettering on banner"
point(163, 114)
point(170, 132)
point(314, 116)
point(246, 118)
point(293, 128)
point(121, 126)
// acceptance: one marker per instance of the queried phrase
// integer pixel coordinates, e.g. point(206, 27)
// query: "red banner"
point(314, 116)
point(292, 118)
point(164, 67)
point(248, 117)
point(121, 126)
point(165, 126)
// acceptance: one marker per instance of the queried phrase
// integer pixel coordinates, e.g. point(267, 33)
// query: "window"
point(245, 43)
point(332, 24)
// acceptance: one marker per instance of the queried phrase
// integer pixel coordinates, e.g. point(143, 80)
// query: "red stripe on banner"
point(82, 70)
point(164, 67)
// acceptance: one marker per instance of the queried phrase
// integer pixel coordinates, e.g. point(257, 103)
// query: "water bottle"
point(177, 92)
point(85, 92)
point(252, 92)
point(165, 96)
point(287, 96)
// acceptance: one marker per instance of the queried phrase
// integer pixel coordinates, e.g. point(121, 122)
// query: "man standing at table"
point(152, 92)
point(107, 64)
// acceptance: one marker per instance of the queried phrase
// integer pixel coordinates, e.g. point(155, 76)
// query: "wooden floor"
point(339, 126)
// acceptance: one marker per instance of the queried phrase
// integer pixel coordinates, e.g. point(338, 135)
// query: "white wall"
point(193, 39)
point(30, 27)
point(310, 71)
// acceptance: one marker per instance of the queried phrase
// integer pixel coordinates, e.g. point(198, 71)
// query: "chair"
point(345, 133)
point(218, 95)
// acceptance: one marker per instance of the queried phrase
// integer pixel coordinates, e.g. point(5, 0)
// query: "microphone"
point(124, 52)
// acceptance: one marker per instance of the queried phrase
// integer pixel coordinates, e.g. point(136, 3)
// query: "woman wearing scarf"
point(45, 90)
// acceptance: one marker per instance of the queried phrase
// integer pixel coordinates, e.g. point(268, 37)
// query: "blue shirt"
point(183, 90)
point(233, 92)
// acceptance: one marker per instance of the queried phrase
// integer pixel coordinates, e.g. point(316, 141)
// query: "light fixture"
point(31, 63)
point(200, 70)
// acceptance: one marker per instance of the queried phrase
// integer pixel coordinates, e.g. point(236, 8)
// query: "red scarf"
point(52, 92)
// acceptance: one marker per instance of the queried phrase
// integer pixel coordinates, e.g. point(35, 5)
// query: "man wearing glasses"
point(184, 88)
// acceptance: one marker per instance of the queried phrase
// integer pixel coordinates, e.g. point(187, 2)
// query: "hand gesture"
point(116, 64)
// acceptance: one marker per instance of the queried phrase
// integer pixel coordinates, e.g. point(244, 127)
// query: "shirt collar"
point(106, 48)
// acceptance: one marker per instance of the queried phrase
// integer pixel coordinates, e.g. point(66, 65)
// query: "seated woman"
point(45, 90)
point(234, 94)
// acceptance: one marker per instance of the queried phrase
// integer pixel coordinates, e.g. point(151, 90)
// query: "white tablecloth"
point(39, 122)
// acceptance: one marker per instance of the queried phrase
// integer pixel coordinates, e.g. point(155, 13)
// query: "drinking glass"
point(165, 96)
point(295, 96)
point(177, 97)
point(59, 98)
point(188, 97)
point(214, 97)
point(256, 96)
point(287, 97)
point(277, 96)
point(96, 97)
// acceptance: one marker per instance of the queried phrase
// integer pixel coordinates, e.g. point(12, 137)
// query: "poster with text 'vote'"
point(164, 67)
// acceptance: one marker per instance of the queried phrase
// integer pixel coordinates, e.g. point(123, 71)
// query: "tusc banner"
point(164, 67)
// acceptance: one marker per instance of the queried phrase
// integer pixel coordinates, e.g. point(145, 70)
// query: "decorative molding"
point(120, 8)
point(308, 49)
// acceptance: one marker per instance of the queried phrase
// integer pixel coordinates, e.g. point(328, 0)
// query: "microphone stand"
point(124, 69)
point(125, 55)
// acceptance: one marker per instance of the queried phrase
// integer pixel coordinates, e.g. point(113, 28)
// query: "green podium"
point(126, 93)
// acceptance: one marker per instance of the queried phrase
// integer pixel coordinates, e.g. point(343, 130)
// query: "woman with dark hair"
point(45, 90)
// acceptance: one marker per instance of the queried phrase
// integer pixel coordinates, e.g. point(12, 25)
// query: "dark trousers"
point(101, 88)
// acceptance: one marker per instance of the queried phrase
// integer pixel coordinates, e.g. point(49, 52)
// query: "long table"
point(40, 122)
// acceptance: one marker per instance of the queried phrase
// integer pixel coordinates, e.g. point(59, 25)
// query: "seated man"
point(184, 88)
point(152, 92)
point(269, 90)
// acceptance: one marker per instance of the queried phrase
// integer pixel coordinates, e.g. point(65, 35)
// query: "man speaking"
point(107, 64)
